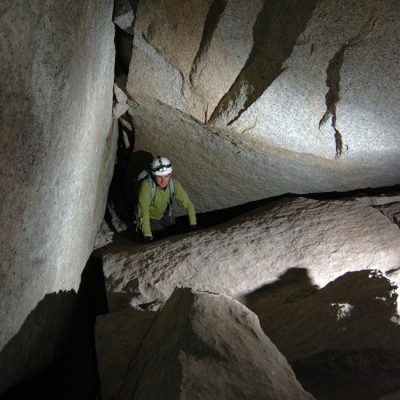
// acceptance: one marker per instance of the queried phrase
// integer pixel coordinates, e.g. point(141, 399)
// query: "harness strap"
point(153, 186)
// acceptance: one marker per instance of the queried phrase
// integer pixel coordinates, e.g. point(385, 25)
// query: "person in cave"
point(156, 192)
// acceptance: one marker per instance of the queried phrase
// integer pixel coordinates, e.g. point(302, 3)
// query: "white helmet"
point(161, 166)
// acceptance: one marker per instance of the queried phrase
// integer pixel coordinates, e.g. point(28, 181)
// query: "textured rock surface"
point(359, 310)
point(381, 200)
point(56, 161)
point(327, 238)
point(204, 346)
point(119, 337)
point(309, 95)
point(392, 211)
point(167, 35)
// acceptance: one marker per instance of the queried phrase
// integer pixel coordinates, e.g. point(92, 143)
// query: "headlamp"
point(162, 168)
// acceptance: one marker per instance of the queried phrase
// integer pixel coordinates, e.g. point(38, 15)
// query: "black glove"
point(147, 239)
point(192, 228)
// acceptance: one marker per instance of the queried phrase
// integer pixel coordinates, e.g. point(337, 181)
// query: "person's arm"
point(182, 196)
point(144, 201)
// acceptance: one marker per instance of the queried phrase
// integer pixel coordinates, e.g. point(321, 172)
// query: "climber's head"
point(161, 169)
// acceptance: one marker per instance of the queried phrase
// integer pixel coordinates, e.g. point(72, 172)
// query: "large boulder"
point(200, 346)
point(273, 97)
point(56, 163)
point(326, 238)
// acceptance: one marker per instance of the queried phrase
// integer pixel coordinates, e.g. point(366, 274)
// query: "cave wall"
point(56, 160)
point(273, 97)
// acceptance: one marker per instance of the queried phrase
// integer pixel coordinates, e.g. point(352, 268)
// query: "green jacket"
point(155, 209)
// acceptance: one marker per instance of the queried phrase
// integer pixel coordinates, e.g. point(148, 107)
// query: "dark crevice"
point(213, 16)
point(339, 142)
point(123, 39)
point(123, 51)
point(333, 81)
point(332, 96)
point(278, 20)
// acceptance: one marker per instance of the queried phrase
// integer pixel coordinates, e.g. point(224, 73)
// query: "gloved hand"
point(192, 228)
point(147, 239)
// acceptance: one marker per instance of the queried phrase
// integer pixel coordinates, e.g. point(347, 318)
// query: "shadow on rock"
point(291, 286)
point(350, 375)
point(343, 341)
point(54, 350)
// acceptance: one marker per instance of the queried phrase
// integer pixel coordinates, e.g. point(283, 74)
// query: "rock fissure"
point(332, 97)
point(338, 142)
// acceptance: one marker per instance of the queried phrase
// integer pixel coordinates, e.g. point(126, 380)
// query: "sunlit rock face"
point(272, 97)
point(56, 160)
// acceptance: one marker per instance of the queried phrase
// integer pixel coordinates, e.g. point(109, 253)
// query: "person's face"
point(163, 181)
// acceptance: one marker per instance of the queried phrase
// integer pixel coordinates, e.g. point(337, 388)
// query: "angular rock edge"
point(201, 345)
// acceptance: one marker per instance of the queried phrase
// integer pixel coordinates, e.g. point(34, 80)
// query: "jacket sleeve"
point(181, 195)
point(144, 201)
